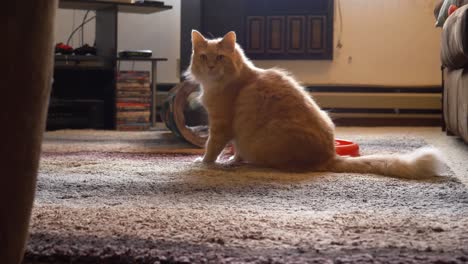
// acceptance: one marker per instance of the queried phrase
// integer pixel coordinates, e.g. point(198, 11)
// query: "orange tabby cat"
point(273, 122)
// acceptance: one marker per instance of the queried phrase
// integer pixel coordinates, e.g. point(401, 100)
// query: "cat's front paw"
point(233, 160)
point(198, 160)
point(202, 160)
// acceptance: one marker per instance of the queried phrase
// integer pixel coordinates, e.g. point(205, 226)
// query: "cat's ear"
point(229, 41)
point(198, 41)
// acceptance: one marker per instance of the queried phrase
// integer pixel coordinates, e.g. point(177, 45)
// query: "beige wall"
point(385, 42)
point(159, 32)
point(67, 20)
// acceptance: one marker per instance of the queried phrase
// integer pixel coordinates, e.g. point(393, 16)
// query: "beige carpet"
point(122, 197)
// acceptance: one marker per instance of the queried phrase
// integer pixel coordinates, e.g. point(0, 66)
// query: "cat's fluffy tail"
point(422, 163)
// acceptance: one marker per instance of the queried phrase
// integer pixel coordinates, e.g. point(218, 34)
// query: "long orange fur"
point(273, 122)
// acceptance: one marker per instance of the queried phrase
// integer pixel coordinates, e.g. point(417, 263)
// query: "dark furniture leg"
point(25, 92)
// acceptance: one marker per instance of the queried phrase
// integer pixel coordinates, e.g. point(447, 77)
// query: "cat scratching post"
point(184, 116)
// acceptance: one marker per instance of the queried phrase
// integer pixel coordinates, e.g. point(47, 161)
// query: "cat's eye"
point(203, 57)
point(219, 57)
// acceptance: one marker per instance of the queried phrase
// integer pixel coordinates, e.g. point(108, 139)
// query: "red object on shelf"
point(346, 148)
point(63, 49)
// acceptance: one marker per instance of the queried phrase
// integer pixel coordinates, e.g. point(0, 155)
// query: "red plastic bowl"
point(346, 148)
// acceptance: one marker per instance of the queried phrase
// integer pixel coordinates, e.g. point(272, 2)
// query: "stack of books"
point(133, 100)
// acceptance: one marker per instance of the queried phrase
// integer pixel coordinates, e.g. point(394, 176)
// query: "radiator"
point(373, 102)
point(380, 104)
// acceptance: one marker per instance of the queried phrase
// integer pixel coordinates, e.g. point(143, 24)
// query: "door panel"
point(276, 33)
point(296, 34)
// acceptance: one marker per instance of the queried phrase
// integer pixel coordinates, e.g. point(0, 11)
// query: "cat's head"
point(214, 59)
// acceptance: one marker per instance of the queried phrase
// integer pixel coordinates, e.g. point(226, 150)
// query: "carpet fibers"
point(115, 197)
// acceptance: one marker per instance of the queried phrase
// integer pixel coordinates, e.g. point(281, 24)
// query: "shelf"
point(106, 36)
point(81, 61)
point(92, 62)
point(146, 7)
point(140, 59)
point(78, 58)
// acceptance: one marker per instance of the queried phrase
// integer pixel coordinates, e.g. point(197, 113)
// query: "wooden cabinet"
point(287, 29)
point(269, 29)
point(266, 29)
